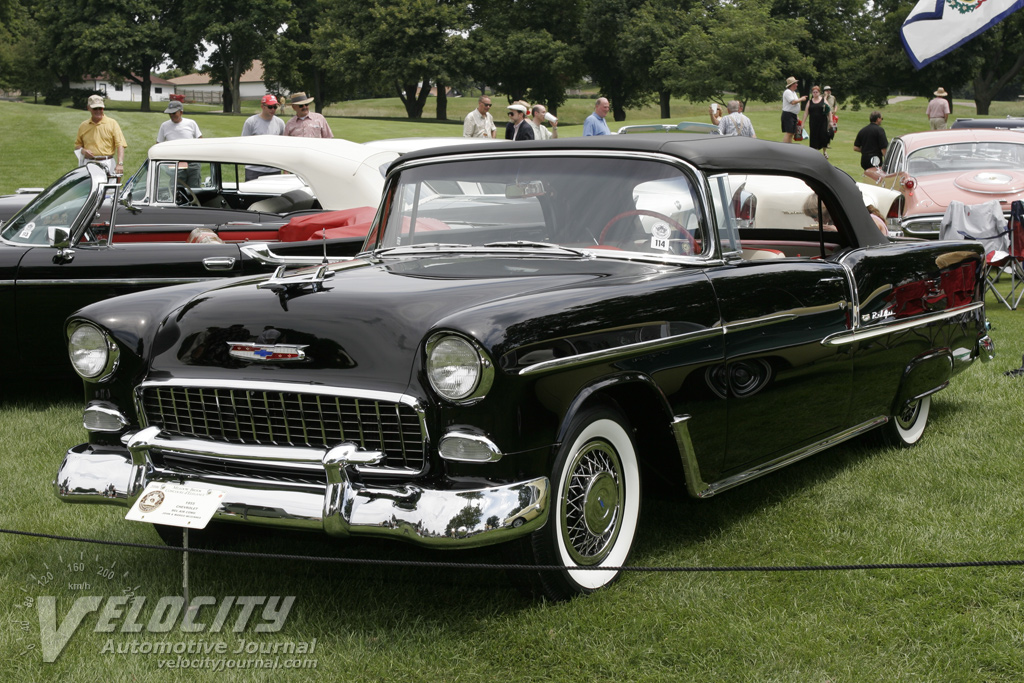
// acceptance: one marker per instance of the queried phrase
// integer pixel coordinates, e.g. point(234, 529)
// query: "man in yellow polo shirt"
point(100, 139)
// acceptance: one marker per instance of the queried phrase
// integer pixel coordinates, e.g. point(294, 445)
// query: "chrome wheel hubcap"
point(593, 503)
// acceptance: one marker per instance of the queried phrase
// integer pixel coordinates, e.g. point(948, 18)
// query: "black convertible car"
point(532, 333)
point(84, 239)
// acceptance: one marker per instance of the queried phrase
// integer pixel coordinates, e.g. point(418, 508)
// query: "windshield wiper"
point(531, 245)
point(425, 245)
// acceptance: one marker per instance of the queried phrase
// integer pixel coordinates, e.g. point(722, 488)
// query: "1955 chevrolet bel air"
point(530, 334)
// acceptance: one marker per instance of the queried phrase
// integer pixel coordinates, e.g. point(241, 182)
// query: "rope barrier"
point(530, 567)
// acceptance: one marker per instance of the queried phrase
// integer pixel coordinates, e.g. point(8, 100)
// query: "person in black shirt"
point(871, 141)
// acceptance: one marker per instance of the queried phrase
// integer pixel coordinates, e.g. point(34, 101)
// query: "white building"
point(199, 88)
point(160, 89)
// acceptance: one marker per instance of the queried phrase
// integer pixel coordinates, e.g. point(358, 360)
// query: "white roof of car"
point(342, 174)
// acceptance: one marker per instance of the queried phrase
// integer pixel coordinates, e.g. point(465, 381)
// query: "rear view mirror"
point(533, 188)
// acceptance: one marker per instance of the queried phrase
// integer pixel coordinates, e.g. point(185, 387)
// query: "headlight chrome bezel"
point(481, 367)
point(105, 344)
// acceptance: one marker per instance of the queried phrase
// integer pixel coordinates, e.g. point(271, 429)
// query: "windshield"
point(614, 204)
point(60, 205)
point(965, 156)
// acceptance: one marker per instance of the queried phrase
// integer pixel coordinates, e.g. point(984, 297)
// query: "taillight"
point(909, 183)
point(894, 210)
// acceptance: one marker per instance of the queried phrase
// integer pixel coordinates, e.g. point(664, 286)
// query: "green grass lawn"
point(954, 497)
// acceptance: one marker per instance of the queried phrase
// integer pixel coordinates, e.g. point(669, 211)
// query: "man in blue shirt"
point(595, 123)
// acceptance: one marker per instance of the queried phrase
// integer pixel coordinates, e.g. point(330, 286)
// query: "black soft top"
point(711, 154)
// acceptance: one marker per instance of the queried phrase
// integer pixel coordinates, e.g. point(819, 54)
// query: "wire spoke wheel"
point(595, 509)
point(593, 499)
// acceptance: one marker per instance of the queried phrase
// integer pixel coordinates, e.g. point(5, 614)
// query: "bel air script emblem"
point(267, 352)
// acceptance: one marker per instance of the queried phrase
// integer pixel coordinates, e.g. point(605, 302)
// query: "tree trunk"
point(147, 86)
point(666, 104)
point(618, 113)
point(442, 102)
point(236, 87)
point(226, 96)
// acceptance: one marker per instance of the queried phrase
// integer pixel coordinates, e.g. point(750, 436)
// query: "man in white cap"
point(790, 109)
point(306, 123)
point(937, 110)
point(177, 127)
point(540, 131)
point(100, 139)
point(517, 128)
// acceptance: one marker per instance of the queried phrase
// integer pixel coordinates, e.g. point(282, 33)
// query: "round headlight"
point(456, 369)
point(93, 354)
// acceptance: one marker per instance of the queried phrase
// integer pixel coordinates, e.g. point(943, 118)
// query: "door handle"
point(219, 262)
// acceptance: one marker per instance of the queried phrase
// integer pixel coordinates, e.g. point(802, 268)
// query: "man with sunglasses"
point(306, 123)
point(479, 123)
point(264, 123)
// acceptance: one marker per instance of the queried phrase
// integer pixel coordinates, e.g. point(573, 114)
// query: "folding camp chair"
point(985, 223)
point(1012, 262)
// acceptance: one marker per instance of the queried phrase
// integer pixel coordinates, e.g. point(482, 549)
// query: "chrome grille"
point(260, 417)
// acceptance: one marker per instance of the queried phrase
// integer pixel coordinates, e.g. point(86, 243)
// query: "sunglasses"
point(487, 104)
point(270, 106)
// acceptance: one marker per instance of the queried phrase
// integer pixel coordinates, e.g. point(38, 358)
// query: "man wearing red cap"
point(264, 123)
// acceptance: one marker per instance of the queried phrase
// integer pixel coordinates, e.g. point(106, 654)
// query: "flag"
point(936, 27)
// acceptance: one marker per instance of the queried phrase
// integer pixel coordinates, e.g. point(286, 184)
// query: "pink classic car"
point(933, 167)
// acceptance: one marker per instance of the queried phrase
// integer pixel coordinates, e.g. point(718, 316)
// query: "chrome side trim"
point(882, 329)
point(262, 253)
point(691, 468)
point(155, 281)
point(759, 322)
point(619, 351)
point(780, 462)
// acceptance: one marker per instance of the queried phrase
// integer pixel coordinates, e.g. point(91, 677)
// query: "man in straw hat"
point(306, 123)
point(790, 109)
point(100, 140)
point(937, 110)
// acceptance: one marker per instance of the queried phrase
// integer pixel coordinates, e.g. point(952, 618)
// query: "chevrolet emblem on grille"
point(265, 352)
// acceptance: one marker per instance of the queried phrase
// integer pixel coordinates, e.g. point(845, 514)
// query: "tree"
point(290, 63)
point(240, 31)
point(403, 45)
point(737, 48)
point(605, 59)
point(529, 50)
point(125, 39)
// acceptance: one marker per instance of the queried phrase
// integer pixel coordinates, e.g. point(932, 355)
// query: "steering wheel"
point(653, 214)
point(184, 195)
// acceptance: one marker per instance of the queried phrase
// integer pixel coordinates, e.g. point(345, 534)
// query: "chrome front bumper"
point(440, 516)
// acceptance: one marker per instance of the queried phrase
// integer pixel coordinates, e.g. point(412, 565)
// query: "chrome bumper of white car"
point(440, 516)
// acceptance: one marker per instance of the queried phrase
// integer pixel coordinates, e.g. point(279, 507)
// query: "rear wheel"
point(907, 427)
point(595, 511)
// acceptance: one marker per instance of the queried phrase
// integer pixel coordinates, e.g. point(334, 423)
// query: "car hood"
point(933, 193)
point(364, 326)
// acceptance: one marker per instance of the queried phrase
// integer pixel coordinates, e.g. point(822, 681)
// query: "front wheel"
point(596, 496)
point(907, 427)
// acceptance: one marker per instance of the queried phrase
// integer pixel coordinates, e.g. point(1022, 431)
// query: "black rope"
point(530, 567)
